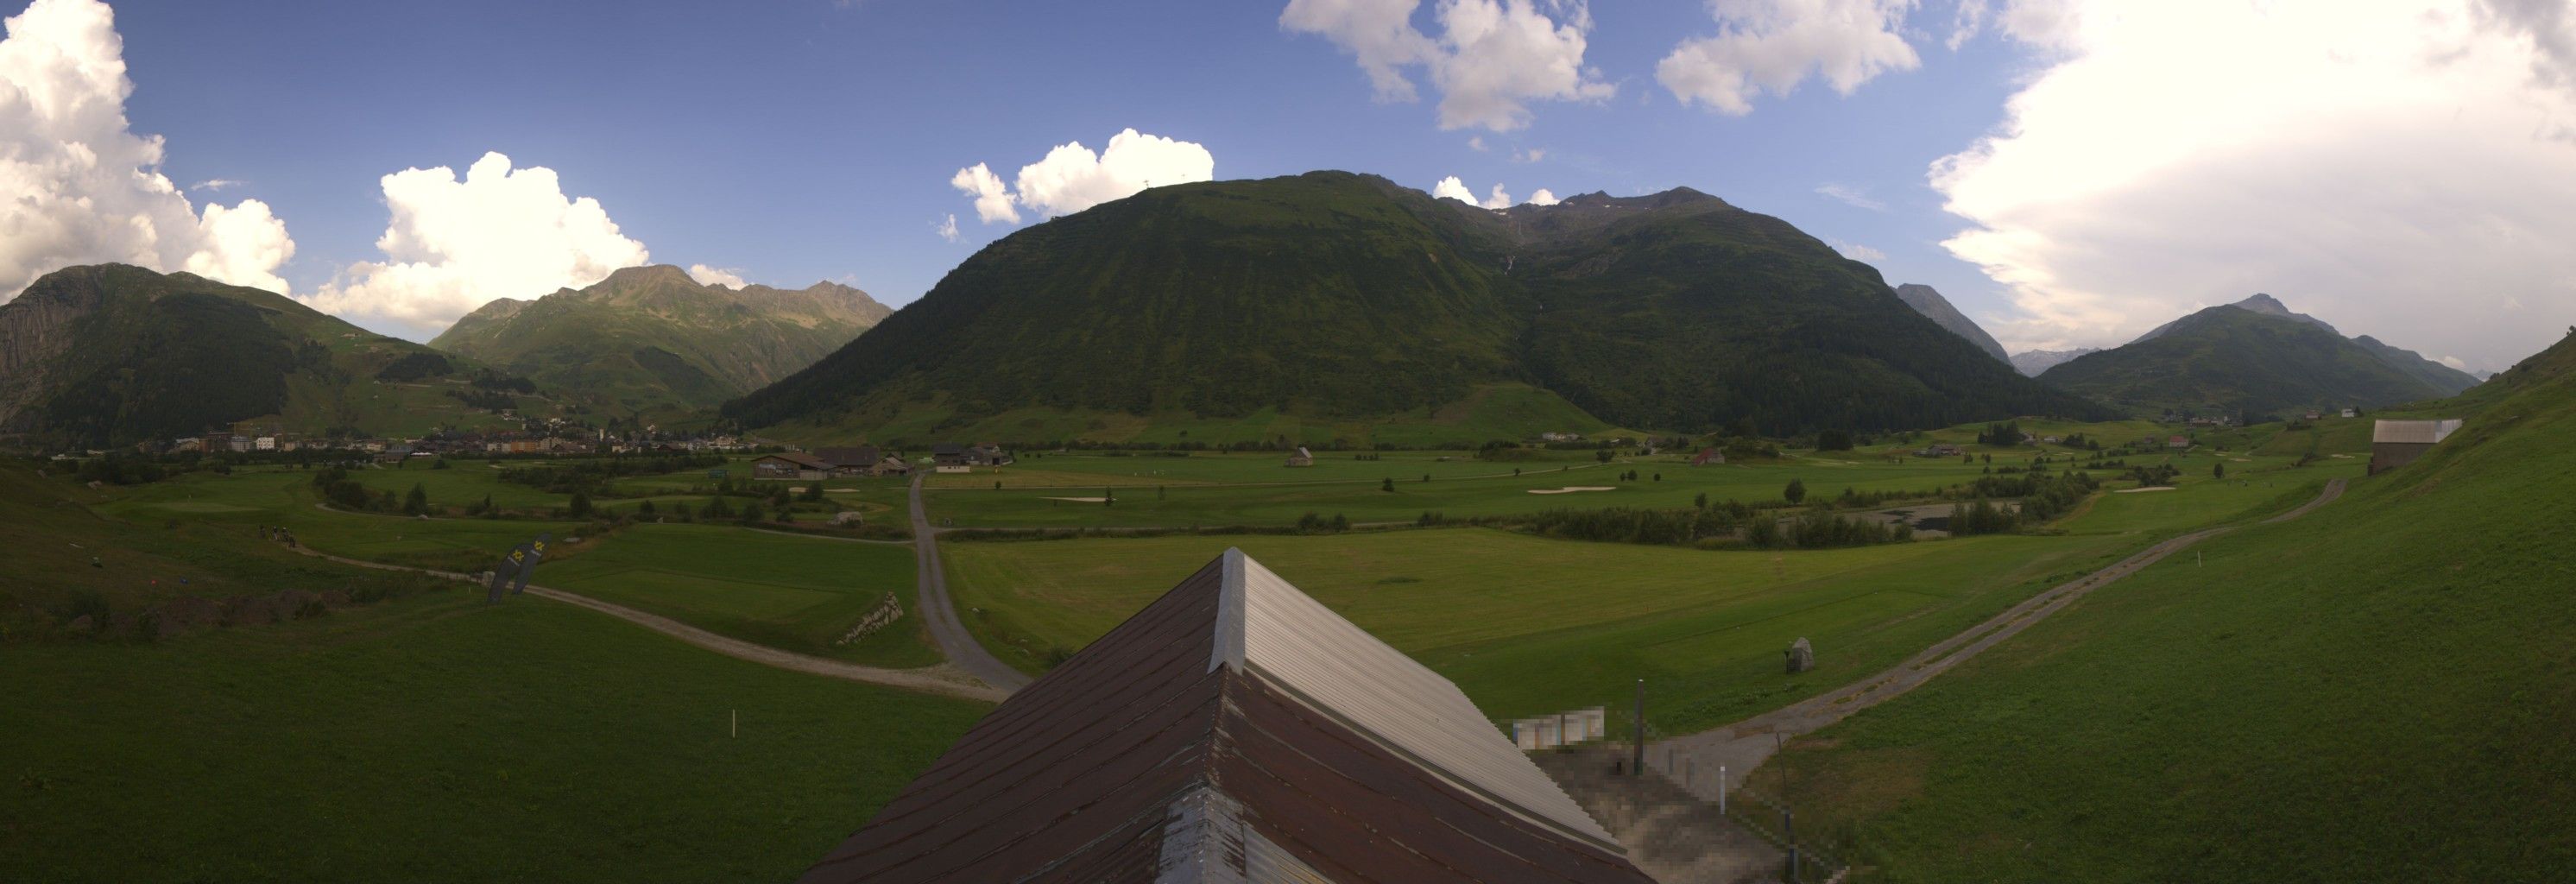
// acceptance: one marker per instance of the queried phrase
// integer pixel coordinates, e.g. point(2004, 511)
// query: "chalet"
point(950, 454)
point(2177, 442)
point(892, 466)
point(1940, 449)
point(2395, 444)
point(1303, 458)
point(790, 465)
point(1235, 730)
point(1709, 457)
point(860, 460)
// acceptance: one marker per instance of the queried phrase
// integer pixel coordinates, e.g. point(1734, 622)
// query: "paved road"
point(940, 679)
point(1744, 745)
point(960, 646)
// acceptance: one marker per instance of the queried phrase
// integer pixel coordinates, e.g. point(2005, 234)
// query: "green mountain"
point(2231, 359)
point(111, 354)
point(652, 340)
point(2442, 377)
point(1345, 298)
point(1928, 301)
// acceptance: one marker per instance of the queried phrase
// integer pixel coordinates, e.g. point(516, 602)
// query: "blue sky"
point(2111, 164)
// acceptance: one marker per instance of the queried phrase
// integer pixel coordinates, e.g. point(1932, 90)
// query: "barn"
point(1233, 730)
point(2395, 444)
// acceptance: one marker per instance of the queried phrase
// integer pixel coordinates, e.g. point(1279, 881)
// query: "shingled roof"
point(1235, 730)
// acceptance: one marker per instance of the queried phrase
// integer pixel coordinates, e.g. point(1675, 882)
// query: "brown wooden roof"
point(1148, 758)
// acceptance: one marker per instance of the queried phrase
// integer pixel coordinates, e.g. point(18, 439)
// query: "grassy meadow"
point(2382, 690)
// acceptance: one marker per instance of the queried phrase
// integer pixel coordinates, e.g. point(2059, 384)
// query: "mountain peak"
point(647, 275)
point(1928, 301)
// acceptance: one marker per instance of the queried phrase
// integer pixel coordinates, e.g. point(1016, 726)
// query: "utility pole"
point(1640, 760)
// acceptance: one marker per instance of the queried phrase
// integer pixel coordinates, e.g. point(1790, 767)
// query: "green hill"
point(651, 340)
point(2379, 691)
point(1340, 299)
point(2230, 360)
point(111, 354)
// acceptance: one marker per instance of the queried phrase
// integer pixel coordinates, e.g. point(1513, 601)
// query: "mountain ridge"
point(1928, 301)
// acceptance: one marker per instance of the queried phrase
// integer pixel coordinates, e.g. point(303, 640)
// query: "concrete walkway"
point(1744, 745)
point(954, 641)
point(939, 679)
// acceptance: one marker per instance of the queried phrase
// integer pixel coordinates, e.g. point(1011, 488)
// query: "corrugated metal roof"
point(2413, 432)
point(1139, 761)
point(1341, 669)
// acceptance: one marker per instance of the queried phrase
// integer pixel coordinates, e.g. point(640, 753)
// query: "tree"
point(1387, 484)
point(580, 505)
point(645, 508)
point(751, 512)
point(1796, 492)
point(814, 491)
point(417, 502)
point(1602, 455)
point(1700, 501)
point(2218, 471)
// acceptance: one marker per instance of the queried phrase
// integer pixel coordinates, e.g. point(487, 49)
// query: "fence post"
point(1789, 831)
point(1721, 791)
point(1640, 759)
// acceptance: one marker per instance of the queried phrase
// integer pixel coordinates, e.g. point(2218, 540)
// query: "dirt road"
point(960, 646)
point(1744, 745)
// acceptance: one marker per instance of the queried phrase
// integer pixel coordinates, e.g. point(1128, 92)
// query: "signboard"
point(513, 570)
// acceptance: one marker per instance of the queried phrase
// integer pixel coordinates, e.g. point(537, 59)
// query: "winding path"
point(939, 679)
point(1744, 745)
point(960, 646)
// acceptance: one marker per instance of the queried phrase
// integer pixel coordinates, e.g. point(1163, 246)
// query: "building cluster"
point(462, 443)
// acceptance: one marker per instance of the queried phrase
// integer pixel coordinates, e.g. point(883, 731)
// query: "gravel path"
point(939, 679)
point(1744, 745)
point(960, 646)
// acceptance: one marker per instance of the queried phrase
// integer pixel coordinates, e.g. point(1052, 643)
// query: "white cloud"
point(77, 185)
point(1852, 196)
point(1476, 143)
point(1773, 45)
point(1498, 200)
point(2388, 166)
point(2454, 362)
point(1856, 251)
point(1542, 198)
point(729, 277)
point(946, 227)
point(215, 184)
point(1071, 178)
point(454, 244)
point(1451, 188)
point(1491, 59)
point(992, 199)
point(1531, 155)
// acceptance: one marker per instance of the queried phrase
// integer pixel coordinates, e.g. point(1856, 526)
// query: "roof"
point(2413, 432)
point(860, 456)
point(1233, 730)
point(798, 458)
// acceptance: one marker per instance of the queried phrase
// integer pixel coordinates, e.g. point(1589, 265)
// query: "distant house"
point(892, 466)
point(2052, 440)
point(2349, 412)
point(1303, 458)
point(1560, 437)
point(1940, 449)
point(2177, 442)
point(2395, 444)
point(859, 460)
point(1708, 457)
point(2313, 415)
point(950, 454)
point(790, 465)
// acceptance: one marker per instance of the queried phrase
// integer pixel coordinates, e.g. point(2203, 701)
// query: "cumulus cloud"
point(1498, 199)
point(1071, 178)
point(78, 186)
point(1454, 189)
point(1451, 188)
point(1851, 196)
point(1531, 155)
point(1491, 58)
point(1542, 198)
point(2389, 166)
point(454, 244)
point(1773, 45)
point(946, 227)
point(1856, 251)
point(729, 277)
point(993, 201)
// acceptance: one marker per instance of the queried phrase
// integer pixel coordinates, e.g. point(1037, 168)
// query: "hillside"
point(2031, 363)
point(651, 339)
point(1340, 298)
point(2234, 716)
point(2230, 360)
point(1928, 301)
point(110, 354)
point(2441, 377)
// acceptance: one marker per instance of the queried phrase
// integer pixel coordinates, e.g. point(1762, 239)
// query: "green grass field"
point(438, 739)
point(2381, 691)
point(1529, 625)
point(790, 592)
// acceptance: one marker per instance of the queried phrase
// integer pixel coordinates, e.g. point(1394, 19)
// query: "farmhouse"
point(2395, 444)
point(858, 460)
point(1303, 458)
point(790, 465)
point(1940, 449)
point(1709, 457)
point(2177, 442)
point(950, 454)
point(1233, 730)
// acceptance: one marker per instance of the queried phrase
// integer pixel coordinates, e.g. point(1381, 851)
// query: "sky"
point(2068, 172)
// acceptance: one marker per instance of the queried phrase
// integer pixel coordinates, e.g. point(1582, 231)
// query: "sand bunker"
point(1082, 499)
point(1572, 488)
point(2136, 490)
